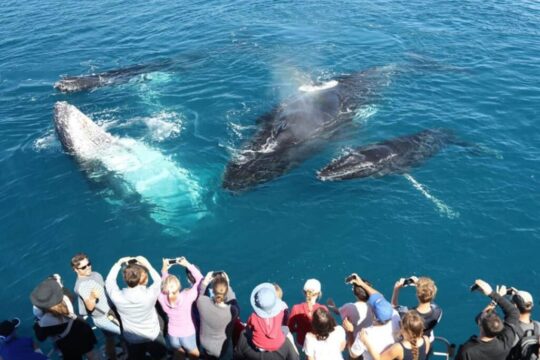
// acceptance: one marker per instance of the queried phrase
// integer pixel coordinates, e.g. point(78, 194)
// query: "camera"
point(350, 278)
point(175, 260)
point(511, 291)
point(475, 287)
point(218, 273)
point(408, 281)
point(129, 262)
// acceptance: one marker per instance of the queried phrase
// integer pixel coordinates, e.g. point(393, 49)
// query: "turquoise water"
point(234, 62)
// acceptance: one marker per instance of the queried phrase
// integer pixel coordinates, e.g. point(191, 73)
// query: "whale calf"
point(171, 191)
point(298, 128)
point(396, 155)
point(93, 81)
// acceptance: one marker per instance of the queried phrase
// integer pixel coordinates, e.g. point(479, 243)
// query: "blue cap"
point(381, 307)
point(265, 301)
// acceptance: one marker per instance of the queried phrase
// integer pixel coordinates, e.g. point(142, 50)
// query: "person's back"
point(327, 340)
point(136, 303)
point(527, 345)
point(216, 315)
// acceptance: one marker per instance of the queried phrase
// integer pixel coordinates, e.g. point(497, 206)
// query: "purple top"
point(180, 321)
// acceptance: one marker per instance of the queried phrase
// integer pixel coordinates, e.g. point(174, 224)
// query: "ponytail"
point(414, 349)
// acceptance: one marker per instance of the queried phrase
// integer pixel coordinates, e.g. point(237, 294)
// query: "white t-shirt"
point(329, 349)
point(380, 337)
point(359, 314)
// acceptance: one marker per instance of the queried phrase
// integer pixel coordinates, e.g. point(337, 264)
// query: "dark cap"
point(47, 294)
point(8, 326)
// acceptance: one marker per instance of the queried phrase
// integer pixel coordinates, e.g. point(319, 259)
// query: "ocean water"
point(470, 66)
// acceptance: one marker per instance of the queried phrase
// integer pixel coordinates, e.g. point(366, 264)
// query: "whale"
point(396, 155)
point(301, 126)
point(171, 192)
point(70, 84)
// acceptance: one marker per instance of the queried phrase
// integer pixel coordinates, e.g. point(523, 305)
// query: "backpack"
point(527, 345)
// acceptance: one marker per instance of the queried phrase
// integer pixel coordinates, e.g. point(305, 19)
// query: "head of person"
point(171, 286)
point(490, 324)
point(135, 275)
point(220, 288)
point(360, 293)
point(524, 302)
point(323, 323)
point(265, 301)
point(49, 297)
point(312, 290)
point(425, 290)
point(382, 309)
point(80, 263)
point(7, 329)
point(412, 326)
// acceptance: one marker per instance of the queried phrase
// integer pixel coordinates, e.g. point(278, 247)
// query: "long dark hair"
point(323, 323)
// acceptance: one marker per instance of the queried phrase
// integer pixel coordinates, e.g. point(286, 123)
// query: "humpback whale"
point(396, 155)
point(137, 169)
point(93, 81)
point(298, 128)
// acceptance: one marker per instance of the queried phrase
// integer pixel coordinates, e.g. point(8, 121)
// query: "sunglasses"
point(85, 266)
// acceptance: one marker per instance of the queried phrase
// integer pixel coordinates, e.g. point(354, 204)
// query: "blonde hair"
point(412, 328)
point(171, 282)
point(279, 292)
point(425, 289)
point(59, 310)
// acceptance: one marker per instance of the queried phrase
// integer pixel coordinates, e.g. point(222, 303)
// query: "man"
point(218, 311)
point(90, 290)
point(496, 337)
point(136, 307)
point(528, 343)
point(356, 316)
point(426, 290)
point(385, 328)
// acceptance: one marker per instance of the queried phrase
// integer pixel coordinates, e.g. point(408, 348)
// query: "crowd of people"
point(152, 317)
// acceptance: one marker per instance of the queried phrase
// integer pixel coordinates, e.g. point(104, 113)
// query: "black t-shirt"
point(431, 318)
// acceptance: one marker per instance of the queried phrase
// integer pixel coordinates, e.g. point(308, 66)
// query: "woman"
point(177, 305)
point(327, 340)
point(414, 346)
point(56, 319)
point(302, 314)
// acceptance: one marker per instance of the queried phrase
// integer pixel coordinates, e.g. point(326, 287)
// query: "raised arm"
point(156, 279)
point(110, 282)
point(359, 282)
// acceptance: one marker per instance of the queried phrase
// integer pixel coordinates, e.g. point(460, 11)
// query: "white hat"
point(313, 285)
point(527, 297)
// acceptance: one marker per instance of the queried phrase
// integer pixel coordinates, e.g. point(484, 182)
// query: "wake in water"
point(443, 209)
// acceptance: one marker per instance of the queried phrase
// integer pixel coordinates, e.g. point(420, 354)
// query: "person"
point(218, 311)
point(528, 343)
point(425, 293)
point(301, 314)
point(356, 316)
point(13, 347)
point(263, 337)
point(57, 320)
point(385, 328)
point(496, 337)
point(177, 305)
point(92, 300)
point(327, 340)
point(414, 345)
point(136, 306)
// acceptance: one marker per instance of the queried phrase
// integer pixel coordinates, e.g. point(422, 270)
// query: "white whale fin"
point(443, 209)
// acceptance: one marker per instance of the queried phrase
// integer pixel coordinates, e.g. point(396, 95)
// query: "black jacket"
point(500, 346)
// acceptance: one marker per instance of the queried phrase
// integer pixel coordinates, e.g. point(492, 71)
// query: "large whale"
point(93, 81)
point(298, 128)
point(397, 155)
point(137, 169)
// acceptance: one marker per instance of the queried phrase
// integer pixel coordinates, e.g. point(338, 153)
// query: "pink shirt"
point(179, 313)
point(267, 333)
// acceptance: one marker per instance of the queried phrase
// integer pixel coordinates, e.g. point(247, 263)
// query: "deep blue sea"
point(463, 215)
